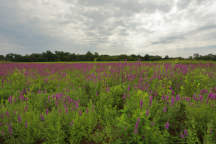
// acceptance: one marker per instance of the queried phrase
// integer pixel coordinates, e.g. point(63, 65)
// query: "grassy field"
point(162, 102)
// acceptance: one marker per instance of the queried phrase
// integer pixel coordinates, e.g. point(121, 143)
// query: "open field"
point(108, 103)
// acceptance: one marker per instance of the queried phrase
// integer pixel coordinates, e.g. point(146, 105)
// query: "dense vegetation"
point(49, 56)
point(108, 103)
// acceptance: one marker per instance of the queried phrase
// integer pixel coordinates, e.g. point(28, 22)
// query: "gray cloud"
point(108, 26)
point(210, 29)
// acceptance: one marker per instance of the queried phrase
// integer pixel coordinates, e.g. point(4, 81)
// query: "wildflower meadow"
point(108, 103)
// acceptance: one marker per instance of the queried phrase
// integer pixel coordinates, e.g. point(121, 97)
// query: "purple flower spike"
point(141, 103)
point(26, 124)
point(10, 99)
point(172, 100)
point(167, 98)
point(201, 98)
point(19, 118)
point(136, 126)
point(107, 89)
point(165, 109)
point(7, 113)
point(182, 135)
point(42, 117)
point(80, 112)
point(177, 97)
point(66, 110)
point(21, 97)
point(128, 88)
point(47, 111)
point(10, 130)
point(26, 108)
point(167, 125)
point(150, 100)
point(203, 91)
point(185, 132)
point(124, 96)
point(147, 112)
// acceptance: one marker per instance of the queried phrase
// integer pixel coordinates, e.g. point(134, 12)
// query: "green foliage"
point(124, 104)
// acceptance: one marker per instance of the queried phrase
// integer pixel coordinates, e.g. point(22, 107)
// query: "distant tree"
point(147, 57)
point(196, 56)
point(13, 57)
point(166, 57)
point(66, 56)
point(89, 56)
point(1, 58)
point(49, 56)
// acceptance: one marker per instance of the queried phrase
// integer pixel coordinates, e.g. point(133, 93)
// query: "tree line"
point(50, 56)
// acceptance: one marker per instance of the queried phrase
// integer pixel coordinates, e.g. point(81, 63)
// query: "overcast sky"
point(157, 27)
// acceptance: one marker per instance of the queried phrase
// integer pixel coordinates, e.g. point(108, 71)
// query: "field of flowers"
point(108, 103)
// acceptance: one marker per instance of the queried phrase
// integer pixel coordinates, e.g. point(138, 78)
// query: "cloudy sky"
point(157, 27)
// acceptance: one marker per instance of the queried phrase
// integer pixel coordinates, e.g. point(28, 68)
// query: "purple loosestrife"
point(26, 108)
point(66, 109)
point(42, 117)
point(10, 99)
point(128, 88)
point(172, 100)
point(150, 100)
point(203, 91)
point(76, 104)
point(26, 124)
point(188, 99)
point(178, 98)
point(195, 97)
point(7, 113)
point(10, 130)
point(87, 110)
point(136, 126)
point(185, 132)
point(80, 113)
point(173, 92)
point(124, 96)
point(152, 123)
point(167, 98)
point(147, 112)
point(167, 125)
point(47, 111)
point(141, 104)
point(165, 109)
point(19, 119)
point(39, 92)
point(56, 103)
point(21, 97)
point(107, 89)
